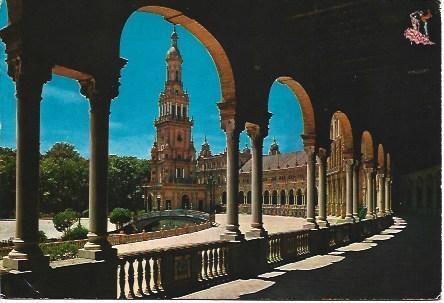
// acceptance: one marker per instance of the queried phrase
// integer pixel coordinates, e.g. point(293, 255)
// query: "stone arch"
point(291, 197)
point(367, 150)
point(306, 105)
point(381, 157)
point(217, 52)
point(299, 197)
point(346, 131)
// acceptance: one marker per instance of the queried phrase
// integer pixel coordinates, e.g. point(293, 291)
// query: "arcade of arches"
point(334, 175)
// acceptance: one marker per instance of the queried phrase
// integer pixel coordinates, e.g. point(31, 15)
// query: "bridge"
point(144, 221)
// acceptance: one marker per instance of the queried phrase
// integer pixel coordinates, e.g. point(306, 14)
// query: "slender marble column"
point(349, 167)
point(387, 194)
point(381, 195)
point(100, 96)
point(311, 156)
point(232, 231)
point(29, 78)
point(374, 193)
point(322, 196)
point(257, 139)
point(356, 191)
point(369, 179)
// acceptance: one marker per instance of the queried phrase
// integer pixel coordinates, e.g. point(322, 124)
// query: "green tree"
point(120, 216)
point(64, 179)
point(126, 176)
point(7, 182)
point(65, 219)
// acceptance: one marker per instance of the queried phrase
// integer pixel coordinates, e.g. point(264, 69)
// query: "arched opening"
point(367, 158)
point(274, 197)
point(240, 198)
point(299, 197)
point(381, 158)
point(249, 197)
point(149, 206)
point(291, 197)
point(283, 196)
point(341, 148)
point(224, 198)
point(266, 197)
point(185, 202)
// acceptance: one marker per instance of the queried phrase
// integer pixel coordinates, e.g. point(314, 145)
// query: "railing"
point(286, 210)
point(116, 239)
point(175, 213)
point(283, 247)
point(161, 273)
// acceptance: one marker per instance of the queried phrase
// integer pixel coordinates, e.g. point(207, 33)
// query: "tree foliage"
point(120, 216)
point(65, 219)
point(64, 180)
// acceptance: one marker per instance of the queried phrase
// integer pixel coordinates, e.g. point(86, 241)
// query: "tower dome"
point(274, 148)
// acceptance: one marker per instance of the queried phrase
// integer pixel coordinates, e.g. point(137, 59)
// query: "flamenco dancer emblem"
point(419, 33)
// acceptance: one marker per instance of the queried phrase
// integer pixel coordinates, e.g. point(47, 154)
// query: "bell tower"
point(173, 153)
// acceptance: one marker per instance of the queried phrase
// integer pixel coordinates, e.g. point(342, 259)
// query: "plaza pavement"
point(402, 262)
point(273, 224)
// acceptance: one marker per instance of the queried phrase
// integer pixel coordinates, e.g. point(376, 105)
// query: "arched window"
point(266, 197)
point(224, 198)
point(291, 197)
point(274, 197)
point(299, 197)
point(249, 197)
point(283, 197)
point(240, 198)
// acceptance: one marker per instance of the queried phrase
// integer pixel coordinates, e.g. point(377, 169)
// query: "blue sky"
point(145, 40)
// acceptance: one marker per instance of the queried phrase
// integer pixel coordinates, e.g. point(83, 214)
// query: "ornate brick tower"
point(173, 156)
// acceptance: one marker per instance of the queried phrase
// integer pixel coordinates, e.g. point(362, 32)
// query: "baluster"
point(131, 294)
point(148, 276)
point(205, 263)
point(139, 276)
point(156, 274)
point(159, 266)
point(223, 264)
point(216, 262)
point(269, 249)
point(122, 279)
point(200, 269)
point(210, 263)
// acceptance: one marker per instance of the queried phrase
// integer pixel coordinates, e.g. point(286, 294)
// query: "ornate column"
point(349, 167)
point(310, 205)
point(374, 193)
point(369, 172)
point(257, 135)
point(381, 195)
point(232, 132)
point(356, 191)
point(387, 195)
point(29, 76)
point(322, 195)
point(100, 93)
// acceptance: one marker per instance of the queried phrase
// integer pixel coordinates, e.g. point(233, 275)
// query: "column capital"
point(349, 164)
point(256, 131)
point(322, 153)
point(99, 90)
point(31, 70)
point(308, 140)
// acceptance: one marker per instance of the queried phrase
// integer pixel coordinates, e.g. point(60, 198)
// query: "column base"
point(349, 219)
point(25, 262)
point(100, 254)
point(357, 219)
point(323, 223)
point(310, 225)
point(232, 236)
point(256, 233)
point(381, 214)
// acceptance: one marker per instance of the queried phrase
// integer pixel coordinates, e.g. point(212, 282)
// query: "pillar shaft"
point(381, 194)
point(369, 180)
point(257, 139)
point(310, 205)
point(232, 231)
point(322, 195)
point(349, 167)
point(387, 194)
point(29, 78)
point(100, 98)
point(356, 192)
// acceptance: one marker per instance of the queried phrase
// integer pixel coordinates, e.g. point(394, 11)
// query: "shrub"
point(120, 216)
point(42, 236)
point(362, 212)
point(60, 252)
point(63, 220)
point(77, 233)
